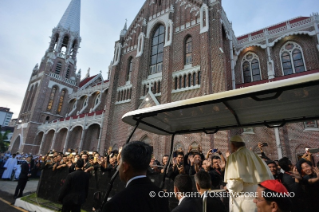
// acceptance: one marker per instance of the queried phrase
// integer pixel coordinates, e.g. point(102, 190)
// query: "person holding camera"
point(178, 166)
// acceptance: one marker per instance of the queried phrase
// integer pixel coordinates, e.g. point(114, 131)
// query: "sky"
point(25, 28)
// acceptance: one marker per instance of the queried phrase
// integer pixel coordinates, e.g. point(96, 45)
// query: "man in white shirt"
point(140, 194)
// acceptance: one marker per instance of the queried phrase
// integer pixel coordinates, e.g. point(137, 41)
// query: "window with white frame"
point(311, 124)
point(251, 68)
point(85, 103)
point(130, 69)
point(157, 50)
point(97, 100)
point(292, 60)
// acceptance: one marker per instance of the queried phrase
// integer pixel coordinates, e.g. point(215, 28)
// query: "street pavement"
point(7, 189)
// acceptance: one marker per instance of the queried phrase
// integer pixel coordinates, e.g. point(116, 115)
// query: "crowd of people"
point(215, 170)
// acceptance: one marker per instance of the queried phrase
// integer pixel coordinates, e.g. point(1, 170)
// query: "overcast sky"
point(25, 27)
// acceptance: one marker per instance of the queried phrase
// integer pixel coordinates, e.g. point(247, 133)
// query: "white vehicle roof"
point(269, 104)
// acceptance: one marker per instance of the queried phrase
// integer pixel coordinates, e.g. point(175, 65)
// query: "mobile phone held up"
point(264, 144)
point(214, 150)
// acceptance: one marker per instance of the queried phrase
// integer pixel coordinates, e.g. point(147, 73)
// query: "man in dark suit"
point(182, 190)
point(75, 189)
point(290, 180)
point(23, 177)
point(140, 194)
point(203, 183)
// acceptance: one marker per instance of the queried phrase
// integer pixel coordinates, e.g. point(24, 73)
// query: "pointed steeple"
point(124, 30)
point(71, 18)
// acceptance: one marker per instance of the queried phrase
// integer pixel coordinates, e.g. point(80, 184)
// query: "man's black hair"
point(179, 153)
point(215, 157)
point(300, 162)
point(196, 153)
point(79, 163)
point(271, 162)
point(183, 182)
point(137, 154)
point(284, 163)
point(203, 179)
point(284, 202)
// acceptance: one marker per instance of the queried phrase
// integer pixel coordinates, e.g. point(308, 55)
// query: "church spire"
point(71, 17)
point(124, 30)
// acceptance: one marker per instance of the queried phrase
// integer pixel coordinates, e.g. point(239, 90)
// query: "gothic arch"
point(289, 34)
point(91, 139)
point(46, 145)
point(154, 25)
point(247, 46)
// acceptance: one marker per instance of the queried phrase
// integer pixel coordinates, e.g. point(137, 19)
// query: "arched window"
point(159, 87)
point(199, 78)
point(251, 68)
point(184, 84)
point(157, 50)
point(65, 44)
point(51, 100)
point(194, 79)
point(129, 70)
point(154, 88)
point(292, 58)
point(61, 102)
point(180, 82)
point(189, 80)
point(188, 51)
point(176, 82)
point(97, 100)
point(85, 103)
point(58, 68)
point(67, 75)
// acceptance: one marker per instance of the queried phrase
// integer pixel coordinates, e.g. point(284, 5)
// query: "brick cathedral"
point(173, 50)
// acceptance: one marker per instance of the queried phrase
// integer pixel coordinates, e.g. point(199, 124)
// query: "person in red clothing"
point(272, 196)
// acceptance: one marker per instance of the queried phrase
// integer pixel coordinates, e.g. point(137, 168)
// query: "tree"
point(3, 144)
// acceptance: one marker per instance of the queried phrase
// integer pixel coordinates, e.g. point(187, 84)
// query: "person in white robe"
point(9, 166)
point(17, 172)
point(244, 171)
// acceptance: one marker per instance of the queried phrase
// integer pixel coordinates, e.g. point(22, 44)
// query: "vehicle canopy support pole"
point(117, 170)
point(168, 162)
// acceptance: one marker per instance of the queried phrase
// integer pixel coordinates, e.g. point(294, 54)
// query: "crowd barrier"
point(51, 182)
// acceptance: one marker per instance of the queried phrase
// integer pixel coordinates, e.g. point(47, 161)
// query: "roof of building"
point(86, 80)
point(71, 17)
point(276, 26)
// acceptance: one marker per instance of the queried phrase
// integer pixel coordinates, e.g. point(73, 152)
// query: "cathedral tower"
point(51, 82)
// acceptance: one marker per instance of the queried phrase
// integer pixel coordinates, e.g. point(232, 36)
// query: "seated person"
point(203, 183)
